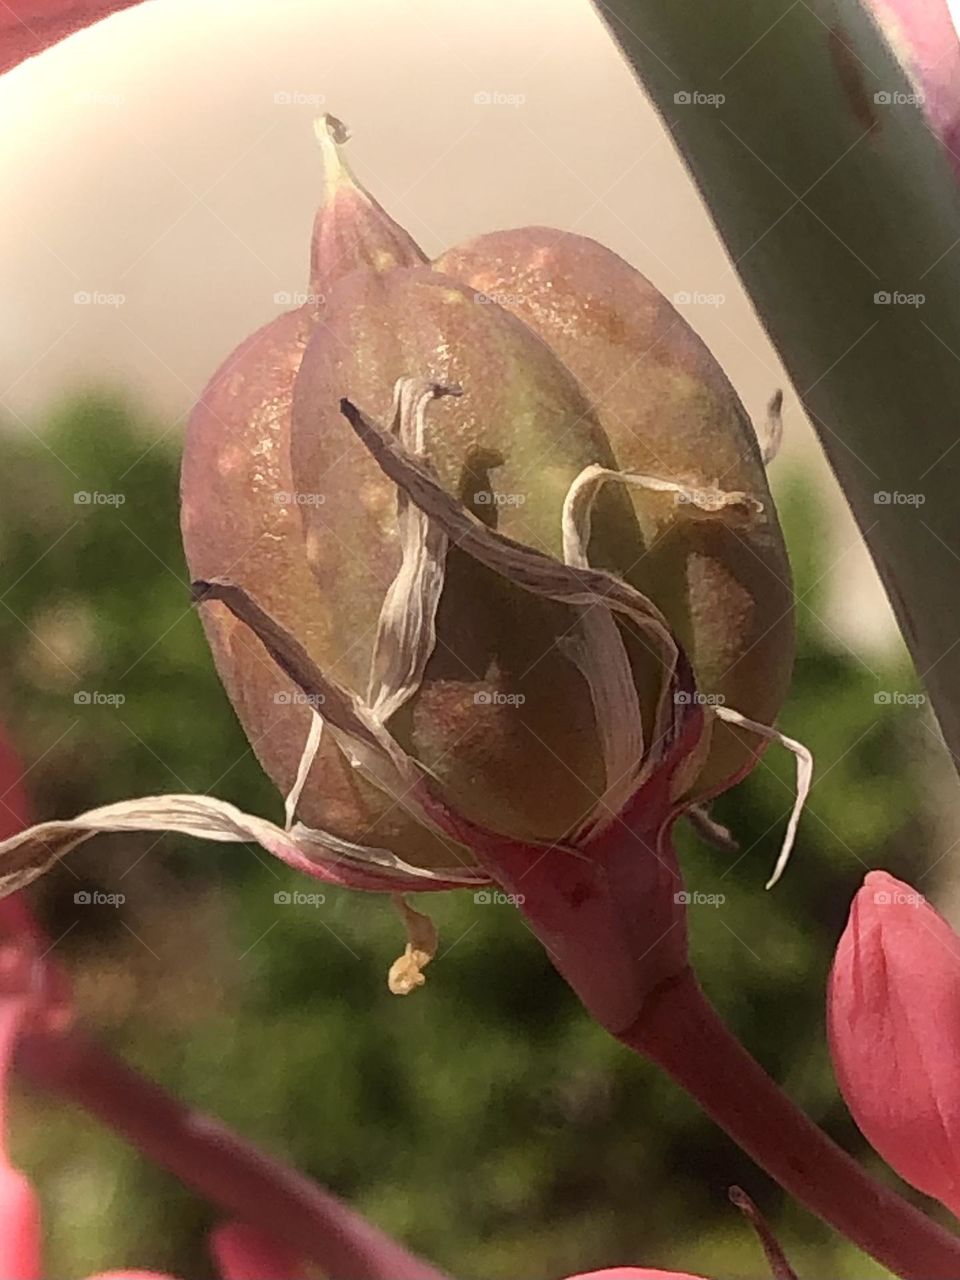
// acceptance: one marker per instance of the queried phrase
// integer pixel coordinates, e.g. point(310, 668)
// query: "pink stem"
point(233, 1174)
point(682, 1032)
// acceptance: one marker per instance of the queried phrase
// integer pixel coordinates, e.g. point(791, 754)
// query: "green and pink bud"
point(491, 573)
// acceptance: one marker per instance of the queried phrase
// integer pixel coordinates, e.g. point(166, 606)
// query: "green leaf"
point(825, 197)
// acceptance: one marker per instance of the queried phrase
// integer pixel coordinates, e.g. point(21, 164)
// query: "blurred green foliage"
point(484, 1120)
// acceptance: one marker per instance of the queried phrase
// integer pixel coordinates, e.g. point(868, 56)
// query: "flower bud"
point(634, 1273)
point(451, 556)
point(244, 1253)
point(894, 1026)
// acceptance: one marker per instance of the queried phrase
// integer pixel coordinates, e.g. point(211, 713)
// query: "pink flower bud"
point(132, 1275)
point(894, 1025)
point(19, 1227)
point(634, 1273)
point(244, 1253)
point(922, 35)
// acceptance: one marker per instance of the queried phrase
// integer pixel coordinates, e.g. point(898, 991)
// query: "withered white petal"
point(406, 631)
point(310, 749)
point(28, 854)
point(599, 653)
point(804, 758)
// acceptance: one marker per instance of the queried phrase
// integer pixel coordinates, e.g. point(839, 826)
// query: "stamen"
point(406, 972)
point(804, 759)
point(710, 830)
point(771, 434)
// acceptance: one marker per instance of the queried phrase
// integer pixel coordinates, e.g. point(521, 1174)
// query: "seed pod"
point(721, 577)
point(501, 717)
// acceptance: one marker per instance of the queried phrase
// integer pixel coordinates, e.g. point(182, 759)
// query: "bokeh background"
point(160, 178)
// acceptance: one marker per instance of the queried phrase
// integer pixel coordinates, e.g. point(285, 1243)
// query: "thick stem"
point(683, 1033)
point(233, 1174)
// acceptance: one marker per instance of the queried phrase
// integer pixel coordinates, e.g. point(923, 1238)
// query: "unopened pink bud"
point(132, 1275)
point(922, 35)
point(635, 1273)
point(19, 1228)
point(244, 1253)
point(894, 1025)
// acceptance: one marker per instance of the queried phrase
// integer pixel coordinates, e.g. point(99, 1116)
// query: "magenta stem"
point(682, 1032)
point(233, 1174)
